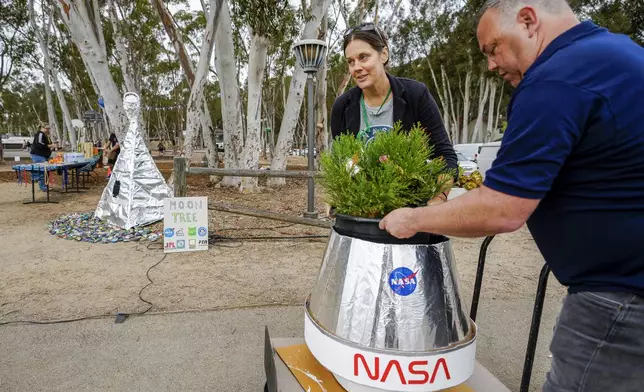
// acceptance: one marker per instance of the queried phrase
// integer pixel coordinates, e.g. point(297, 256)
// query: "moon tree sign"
point(185, 224)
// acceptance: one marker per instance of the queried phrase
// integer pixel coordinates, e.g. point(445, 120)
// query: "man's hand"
point(400, 223)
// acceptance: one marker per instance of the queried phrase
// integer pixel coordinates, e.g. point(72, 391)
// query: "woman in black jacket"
point(380, 100)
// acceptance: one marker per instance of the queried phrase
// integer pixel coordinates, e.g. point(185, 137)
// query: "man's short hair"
point(507, 6)
point(44, 125)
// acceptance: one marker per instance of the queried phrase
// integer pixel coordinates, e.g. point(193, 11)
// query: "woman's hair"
point(113, 138)
point(369, 33)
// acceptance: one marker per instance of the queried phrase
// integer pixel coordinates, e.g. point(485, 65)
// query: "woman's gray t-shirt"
point(382, 120)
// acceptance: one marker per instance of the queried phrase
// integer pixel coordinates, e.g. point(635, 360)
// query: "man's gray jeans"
point(598, 344)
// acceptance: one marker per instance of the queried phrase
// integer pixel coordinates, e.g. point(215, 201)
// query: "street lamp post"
point(310, 54)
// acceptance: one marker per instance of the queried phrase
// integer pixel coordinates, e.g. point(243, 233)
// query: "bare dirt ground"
point(47, 278)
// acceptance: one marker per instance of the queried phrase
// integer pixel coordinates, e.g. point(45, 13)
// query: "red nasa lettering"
point(415, 368)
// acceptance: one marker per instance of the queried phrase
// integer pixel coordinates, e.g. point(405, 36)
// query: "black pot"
point(367, 229)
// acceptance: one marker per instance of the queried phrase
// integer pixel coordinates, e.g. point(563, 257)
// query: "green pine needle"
point(390, 172)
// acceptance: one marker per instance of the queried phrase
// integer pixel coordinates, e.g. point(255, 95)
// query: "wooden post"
point(271, 215)
point(180, 183)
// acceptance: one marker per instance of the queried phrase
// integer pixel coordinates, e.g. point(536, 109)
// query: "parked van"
point(487, 155)
point(470, 150)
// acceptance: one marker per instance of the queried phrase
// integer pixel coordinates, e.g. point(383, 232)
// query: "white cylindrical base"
point(360, 370)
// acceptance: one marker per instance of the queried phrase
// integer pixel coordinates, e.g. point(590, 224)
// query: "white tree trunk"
point(99, 27)
point(209, 136)
point(49, 73)
point(256, 67)
point(321, 123)
point(127, 71)
point(230, 100)
point(361, 12)
point(443, 99)
point(498, 108)
point(466, 106)
point(449, 96)
point(195, 110)
point(121, 51)
point(491, 115)
point(295, 96)
point(76, 19)
point(484, 88)
point(176, 39)
point(188, 71)
point(51, 113)
point(67, 117)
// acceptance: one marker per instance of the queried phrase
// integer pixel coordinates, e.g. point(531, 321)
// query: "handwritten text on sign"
point(185, 224)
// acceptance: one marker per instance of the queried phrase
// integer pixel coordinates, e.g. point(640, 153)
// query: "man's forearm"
point(474, 214)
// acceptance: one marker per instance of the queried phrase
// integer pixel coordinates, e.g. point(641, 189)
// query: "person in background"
point(379, 100)
point(113, 149)
point(99, 145)
point(41, 149)
point(571, 166)
point(161, 147)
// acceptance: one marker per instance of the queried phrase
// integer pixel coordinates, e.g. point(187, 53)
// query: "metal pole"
point(534, 328)
point(310, 213)
point(479, 277)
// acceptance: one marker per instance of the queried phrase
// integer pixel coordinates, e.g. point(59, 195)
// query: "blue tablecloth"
point(41, 167)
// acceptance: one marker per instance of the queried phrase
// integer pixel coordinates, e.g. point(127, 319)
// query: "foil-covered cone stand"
point(387, 314)
point(136, 189)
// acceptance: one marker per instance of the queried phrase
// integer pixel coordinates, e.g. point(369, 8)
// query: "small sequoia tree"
point(391, 170)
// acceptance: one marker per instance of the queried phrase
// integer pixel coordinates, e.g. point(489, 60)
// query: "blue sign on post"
point(101, 103)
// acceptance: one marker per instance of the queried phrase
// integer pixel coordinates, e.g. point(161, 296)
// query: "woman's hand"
point(440, 199)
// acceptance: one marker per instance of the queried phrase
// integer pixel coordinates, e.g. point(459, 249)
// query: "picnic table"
point(47, 169)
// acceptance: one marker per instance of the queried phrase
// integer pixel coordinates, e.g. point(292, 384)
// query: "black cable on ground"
point(103, 316)
point(120, 316)
point(57, 321)
point(215, 239)
point(256, 228)
point(147, 274)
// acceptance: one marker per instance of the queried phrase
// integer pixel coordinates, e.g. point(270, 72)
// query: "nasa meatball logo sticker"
point(403, 281)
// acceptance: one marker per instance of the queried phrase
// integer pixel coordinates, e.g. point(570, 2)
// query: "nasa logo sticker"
point(403, 281)
point(169, 232)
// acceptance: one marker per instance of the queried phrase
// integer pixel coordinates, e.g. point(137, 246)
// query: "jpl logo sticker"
point(403, 281)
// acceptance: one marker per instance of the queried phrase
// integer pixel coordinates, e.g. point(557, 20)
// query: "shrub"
point(392, 170)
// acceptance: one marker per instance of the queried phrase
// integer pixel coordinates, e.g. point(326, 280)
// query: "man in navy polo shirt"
point(571, 165)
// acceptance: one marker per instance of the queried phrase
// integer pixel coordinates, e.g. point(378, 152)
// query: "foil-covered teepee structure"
point(136, 189)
